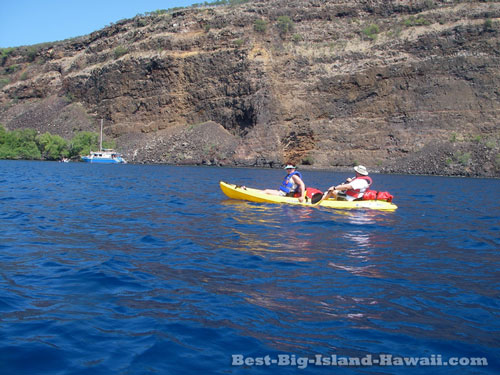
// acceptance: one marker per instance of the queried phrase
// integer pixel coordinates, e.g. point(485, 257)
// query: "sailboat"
point(106, 155)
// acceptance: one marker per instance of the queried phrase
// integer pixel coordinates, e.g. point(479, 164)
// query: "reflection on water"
point(367, 271)
point(358, 239)
point(252, 232)
point(366, 217)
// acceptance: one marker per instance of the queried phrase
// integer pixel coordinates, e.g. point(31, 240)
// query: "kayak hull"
point(257, 195)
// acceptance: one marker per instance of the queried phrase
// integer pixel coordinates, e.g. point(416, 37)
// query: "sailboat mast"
point(100, 142)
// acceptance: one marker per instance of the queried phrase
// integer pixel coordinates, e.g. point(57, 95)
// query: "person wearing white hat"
point(353, 188)
point(292, 185)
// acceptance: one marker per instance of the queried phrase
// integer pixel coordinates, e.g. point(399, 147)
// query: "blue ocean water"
point(133, 269)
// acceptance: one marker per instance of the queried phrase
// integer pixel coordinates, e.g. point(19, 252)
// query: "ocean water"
point(133, 269)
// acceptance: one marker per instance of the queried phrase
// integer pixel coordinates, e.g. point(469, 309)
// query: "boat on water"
point(106, 155)
point(257, 195)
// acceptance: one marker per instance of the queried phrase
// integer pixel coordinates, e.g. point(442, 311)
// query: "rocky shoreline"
point(399, 86)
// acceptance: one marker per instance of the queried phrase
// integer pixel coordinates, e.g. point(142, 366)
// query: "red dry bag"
point(370, 195)
point(311, 191)
point(384, 196)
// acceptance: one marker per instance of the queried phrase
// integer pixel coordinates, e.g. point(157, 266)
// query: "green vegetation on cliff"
point(27, 144)
point(19, 144)
point(52, 147)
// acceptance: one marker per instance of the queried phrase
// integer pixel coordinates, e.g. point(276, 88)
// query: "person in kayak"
point(292, 185)
point(353, 188)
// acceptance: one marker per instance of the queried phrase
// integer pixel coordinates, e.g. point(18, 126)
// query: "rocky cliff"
point(400, 86)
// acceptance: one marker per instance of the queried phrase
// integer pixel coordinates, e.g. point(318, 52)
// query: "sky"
point(28, 22)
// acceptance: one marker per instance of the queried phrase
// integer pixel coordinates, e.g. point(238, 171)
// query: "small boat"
point(257, 195)
point(106, 155)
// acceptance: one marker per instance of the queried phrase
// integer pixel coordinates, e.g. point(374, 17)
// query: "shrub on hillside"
point(371, 31)
point(120, 51)
point(260, 26)
point(285, 25)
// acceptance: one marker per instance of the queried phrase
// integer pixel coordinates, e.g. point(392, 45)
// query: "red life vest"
point(358, 193)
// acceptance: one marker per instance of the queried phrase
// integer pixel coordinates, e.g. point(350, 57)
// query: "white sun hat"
point(361, 170)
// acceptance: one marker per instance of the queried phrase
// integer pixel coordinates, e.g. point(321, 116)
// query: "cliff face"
point(400, 86)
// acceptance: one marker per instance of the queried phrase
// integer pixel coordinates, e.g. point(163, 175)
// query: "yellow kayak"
point(257, 195)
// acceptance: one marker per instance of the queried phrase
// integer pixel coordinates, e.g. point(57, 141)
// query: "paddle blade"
point(316, 198)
